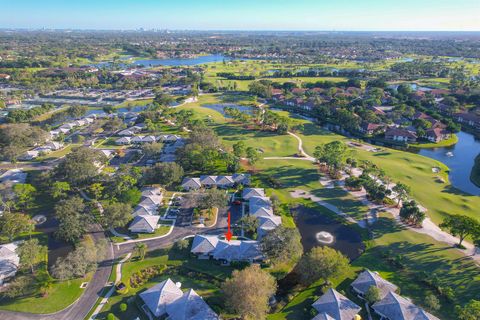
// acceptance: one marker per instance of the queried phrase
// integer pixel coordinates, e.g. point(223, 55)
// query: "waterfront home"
point(266, 224)
point(437, 134)
point(400, 135)
point(372, 128)
point(367, 278)
point(190, 306)
point(335, 305)
point(159, 296)
point(396, 307)
point(9, 261)
point(144, 224)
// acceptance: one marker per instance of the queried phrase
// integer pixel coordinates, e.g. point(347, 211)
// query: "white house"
point(335, 305)
point(123, 141)
point(144, 224)
point(396, 307)
point(208, 181)
point(252, 192)
point(54, 145)
point(13, 176)
point(191, 184)
point(9, 261)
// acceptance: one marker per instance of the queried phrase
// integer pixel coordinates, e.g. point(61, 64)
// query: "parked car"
point(237, 202)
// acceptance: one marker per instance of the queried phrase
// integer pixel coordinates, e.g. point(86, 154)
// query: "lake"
point(461, 163)
point(310, 222)
point(171, 62)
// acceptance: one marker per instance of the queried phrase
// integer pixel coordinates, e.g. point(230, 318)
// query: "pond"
point(460, 159)
point(171, 62)
point(219, 108)
point(318, 229)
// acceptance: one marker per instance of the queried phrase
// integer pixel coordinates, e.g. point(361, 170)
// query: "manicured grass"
point(203, 276)
point(412, 169)
point(58, 153)
point(444, 143)
point(61, 295)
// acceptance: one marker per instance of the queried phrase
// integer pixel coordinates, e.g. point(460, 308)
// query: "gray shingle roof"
point(367, 278)
point(396, 307)
point(159, 296)
point(336, 305)
point(190, 306)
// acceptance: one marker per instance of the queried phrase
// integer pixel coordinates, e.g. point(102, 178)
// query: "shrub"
point(110, 316)
point(141, 277)
point(123, 307)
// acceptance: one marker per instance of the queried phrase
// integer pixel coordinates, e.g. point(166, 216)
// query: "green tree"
point(31, 253)
point(372, 295)
point(165, 173)
point(117, 214)
point(322, 263)
point(411, 213)
point(282, 245)
point(13, 224)
point(247, 292)
point(80, 166)
point(25, 194)
point(471, 311)
point(432, 302)
point(72, 219)
point(96, 190)
point(239, 149)
point(402, 191)
point(59, 189)
point(334, 154)
point(140, 250)
point(461, 226)
point(252, 155)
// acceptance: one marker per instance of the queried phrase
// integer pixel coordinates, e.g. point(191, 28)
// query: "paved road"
point(80, 309)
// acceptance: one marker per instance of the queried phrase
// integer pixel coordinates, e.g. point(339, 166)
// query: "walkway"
point(118, 278)
point(428, 227)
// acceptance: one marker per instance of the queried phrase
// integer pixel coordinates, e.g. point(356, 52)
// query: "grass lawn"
point(203, 276)
point(58, 153)
point(163, 229)
point(61, 295)
point(444, 143)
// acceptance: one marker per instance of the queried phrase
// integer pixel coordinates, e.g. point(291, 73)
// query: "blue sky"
point(408, 15)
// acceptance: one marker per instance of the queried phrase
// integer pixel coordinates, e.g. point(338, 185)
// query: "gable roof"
point(191, 182)
point(190, 306)
point(159, 296)
point(260, 211)
point(208, 179)
point(397, 307)
point(222, 180)
point(204, 244)
point(336, 305)
point(322, 316)
point(144, 222)
point(367, 278)
point(247, 193)
point(259, 201)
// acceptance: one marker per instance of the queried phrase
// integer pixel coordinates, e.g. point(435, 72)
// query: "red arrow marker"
point(228, 234)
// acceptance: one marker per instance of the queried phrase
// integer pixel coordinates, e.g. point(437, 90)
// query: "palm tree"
point(402, 192)
point(141, 250)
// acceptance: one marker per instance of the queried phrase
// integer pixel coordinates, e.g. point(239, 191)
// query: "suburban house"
point(437, 134)
point(166, 300)
point(336, 306)
point(367, 278)
point(469, 118)
point(266, 224)
point(144, 224)
point(53, 145)
point(151, 199)
point(9, 261)
point(123, 141)
point(29, 155)
point(215, 181)
point(191, 184)
point(247, 193)
point(208, 181)
point(210, 246)
point(13, 176)
point(400, 135)
point(396, 307)
point(372, 128)
point(261, 208)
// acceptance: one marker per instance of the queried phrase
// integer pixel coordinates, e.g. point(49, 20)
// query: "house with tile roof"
point(190, 306)
point(144, 224)
point(9, 261)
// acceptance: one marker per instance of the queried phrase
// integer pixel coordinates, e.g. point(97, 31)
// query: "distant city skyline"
point(340, 15)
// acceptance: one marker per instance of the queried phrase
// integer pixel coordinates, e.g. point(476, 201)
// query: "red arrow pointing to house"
point(228, 234)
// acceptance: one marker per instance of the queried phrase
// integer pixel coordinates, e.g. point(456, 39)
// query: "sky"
point(325, 15)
